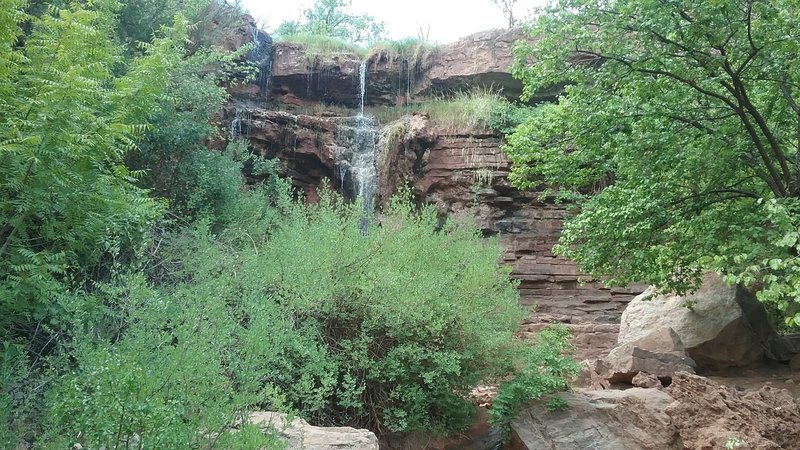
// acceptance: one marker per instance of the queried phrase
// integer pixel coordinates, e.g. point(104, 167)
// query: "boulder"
point(719, 325)
point(646, 380)
point(794, 364)
point(660, 354)
point(784, 348)
point(708, 415)
point(300, 435)
point(601, 420)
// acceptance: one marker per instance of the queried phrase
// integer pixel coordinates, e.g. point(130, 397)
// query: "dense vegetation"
point(678, 139)
point(150, 299)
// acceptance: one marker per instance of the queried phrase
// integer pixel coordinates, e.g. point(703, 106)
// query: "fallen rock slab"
point(660, 353)
point(601, 420)
point(300, 435)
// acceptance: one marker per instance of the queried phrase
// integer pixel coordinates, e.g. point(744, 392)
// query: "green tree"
point(507, 6)
point(69, 207)
point(678, 137)
point(332, 18)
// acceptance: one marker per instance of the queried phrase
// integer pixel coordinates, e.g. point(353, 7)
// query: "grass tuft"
point(322, 48)
point(461, 113)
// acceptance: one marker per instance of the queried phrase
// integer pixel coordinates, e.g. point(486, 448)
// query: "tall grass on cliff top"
point(466, 111)
point(322, 47)
point(415, 51)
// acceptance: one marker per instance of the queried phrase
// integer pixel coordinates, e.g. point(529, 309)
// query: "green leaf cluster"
point(677, 138)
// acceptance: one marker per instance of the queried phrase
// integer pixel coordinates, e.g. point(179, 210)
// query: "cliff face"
point(466, 174)
point(462, 173)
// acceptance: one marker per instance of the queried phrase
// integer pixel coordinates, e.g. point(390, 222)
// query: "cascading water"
point(239, 126)
point(261, 54)
point(356, 160)
point(362, 83)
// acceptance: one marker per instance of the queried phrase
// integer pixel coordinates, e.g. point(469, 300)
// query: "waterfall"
point(240, 124)
point(356, 157)
point(261, 54)
point(362, 82)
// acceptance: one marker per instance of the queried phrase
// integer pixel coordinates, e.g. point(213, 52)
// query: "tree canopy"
point(332, 18)
point(678, 137)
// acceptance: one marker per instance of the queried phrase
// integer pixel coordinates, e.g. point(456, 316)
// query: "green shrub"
point(387, 330)
point(505, 116)
point(303, 311)
point(164, 382)
point(549, 371)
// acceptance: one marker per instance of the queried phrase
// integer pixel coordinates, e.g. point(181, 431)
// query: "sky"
point(443, 20)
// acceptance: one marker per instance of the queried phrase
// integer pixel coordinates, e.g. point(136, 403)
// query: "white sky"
point(447, 20)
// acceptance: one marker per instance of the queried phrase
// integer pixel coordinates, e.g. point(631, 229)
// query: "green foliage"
point(414, 52)
point(388, 330)
point(678, 139)
point(733, 442)
point(507, 116)
point(74, 217)
point(549, 370)
point(159, 377)
point(68, 205)
point(557, 404)
point(211, 20)
point(176, 164)
point(331, 18)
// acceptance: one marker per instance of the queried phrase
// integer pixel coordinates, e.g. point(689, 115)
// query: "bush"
point(300, 310)
point(163, 382)
point(549, 371)
point(505, 116)
point(388, 330)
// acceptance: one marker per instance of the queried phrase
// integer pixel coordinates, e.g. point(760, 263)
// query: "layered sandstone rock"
point(303, 145)
point(466, 175)
point(480, 59)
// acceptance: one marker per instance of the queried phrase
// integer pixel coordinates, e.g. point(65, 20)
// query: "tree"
point(331, 18)
point(678, 138)
point(507, 6)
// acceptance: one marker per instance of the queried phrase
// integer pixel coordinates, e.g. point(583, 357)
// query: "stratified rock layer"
point(466, 175)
